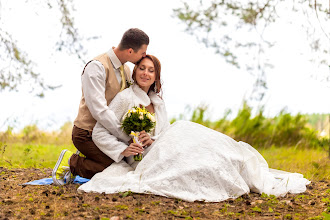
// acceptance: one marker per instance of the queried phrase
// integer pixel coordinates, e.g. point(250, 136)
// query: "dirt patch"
point(48, 201)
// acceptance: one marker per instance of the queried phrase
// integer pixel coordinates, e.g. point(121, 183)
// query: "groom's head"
point(135, 41)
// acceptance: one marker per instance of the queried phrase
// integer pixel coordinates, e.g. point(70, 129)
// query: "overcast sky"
point(192, 74)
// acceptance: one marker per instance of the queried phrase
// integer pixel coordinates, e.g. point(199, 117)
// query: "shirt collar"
point(114, 59)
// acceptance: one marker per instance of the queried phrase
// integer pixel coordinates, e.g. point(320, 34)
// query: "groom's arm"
point(93, 84)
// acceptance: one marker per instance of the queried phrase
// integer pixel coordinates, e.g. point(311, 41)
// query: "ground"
point(47, 202)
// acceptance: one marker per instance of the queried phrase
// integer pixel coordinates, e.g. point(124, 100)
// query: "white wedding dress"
point(191, 162)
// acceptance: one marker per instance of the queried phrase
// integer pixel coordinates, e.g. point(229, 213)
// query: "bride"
point(184, 160)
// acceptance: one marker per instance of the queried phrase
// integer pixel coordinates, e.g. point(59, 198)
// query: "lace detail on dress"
point(120, 103)
point(192, 162)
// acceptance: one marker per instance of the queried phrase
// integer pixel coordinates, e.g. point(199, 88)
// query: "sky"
point(192, 74)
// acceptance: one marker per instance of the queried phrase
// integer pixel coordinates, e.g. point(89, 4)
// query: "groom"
point(102, 78)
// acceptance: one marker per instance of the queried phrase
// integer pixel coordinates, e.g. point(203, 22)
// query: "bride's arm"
point(109, 141)
point(119, 106)
point(110, 145)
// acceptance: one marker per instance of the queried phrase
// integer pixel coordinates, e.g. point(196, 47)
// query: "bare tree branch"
point(215, 17)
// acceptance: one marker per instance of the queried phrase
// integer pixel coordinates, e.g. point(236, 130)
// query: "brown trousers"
point(95, 160)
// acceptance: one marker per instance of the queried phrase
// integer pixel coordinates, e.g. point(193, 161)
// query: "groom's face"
point(136, 56)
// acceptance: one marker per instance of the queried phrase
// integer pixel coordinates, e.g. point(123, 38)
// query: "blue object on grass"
point(48, 181)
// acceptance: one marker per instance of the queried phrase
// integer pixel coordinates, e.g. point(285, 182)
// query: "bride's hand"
point(145, 139)
point(133, 149)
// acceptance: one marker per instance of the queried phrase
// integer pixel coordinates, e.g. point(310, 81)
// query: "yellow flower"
point(151, 117)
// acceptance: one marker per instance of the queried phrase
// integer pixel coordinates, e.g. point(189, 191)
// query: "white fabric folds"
point(194, 163)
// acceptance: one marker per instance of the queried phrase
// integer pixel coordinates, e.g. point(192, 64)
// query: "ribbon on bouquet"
point(135, 137)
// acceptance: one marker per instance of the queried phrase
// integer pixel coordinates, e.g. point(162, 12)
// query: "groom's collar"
point(114, 59)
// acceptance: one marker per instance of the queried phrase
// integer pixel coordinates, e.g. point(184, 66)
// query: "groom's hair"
point(133, 38)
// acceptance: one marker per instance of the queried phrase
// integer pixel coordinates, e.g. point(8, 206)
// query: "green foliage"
point(247, 128)
point(22, 68)
point(256, 209)
point(219, 24)
point(31, 134)
point(121, 207)
point(321, 122)
point(290, 159)
point(259, 131)
point(20, 155)
point(302, 152)
point(198, 116)
point(327, 216)
point(138, 120)
point(293, 159)
point(32, 147)
point(125, 194)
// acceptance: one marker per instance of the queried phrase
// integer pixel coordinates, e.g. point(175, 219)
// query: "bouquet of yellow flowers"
point(136, 120)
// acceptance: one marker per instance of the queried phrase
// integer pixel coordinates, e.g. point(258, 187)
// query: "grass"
point(312, 163)
point(30, 155)
point(289, 142)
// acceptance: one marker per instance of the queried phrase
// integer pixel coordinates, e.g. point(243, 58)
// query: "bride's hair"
point(157, 85)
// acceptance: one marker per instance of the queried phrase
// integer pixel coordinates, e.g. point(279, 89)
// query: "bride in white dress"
point(184, 160)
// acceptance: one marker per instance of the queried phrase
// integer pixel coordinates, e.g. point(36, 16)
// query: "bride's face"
point(145, 74)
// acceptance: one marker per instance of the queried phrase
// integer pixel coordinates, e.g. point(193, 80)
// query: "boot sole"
point(55, 180)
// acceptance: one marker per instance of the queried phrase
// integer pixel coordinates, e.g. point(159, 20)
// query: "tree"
point(237, 30)
point(17, 68)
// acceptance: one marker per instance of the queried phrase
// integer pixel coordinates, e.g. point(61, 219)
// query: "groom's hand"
point(133, 149)
point(145, 139)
